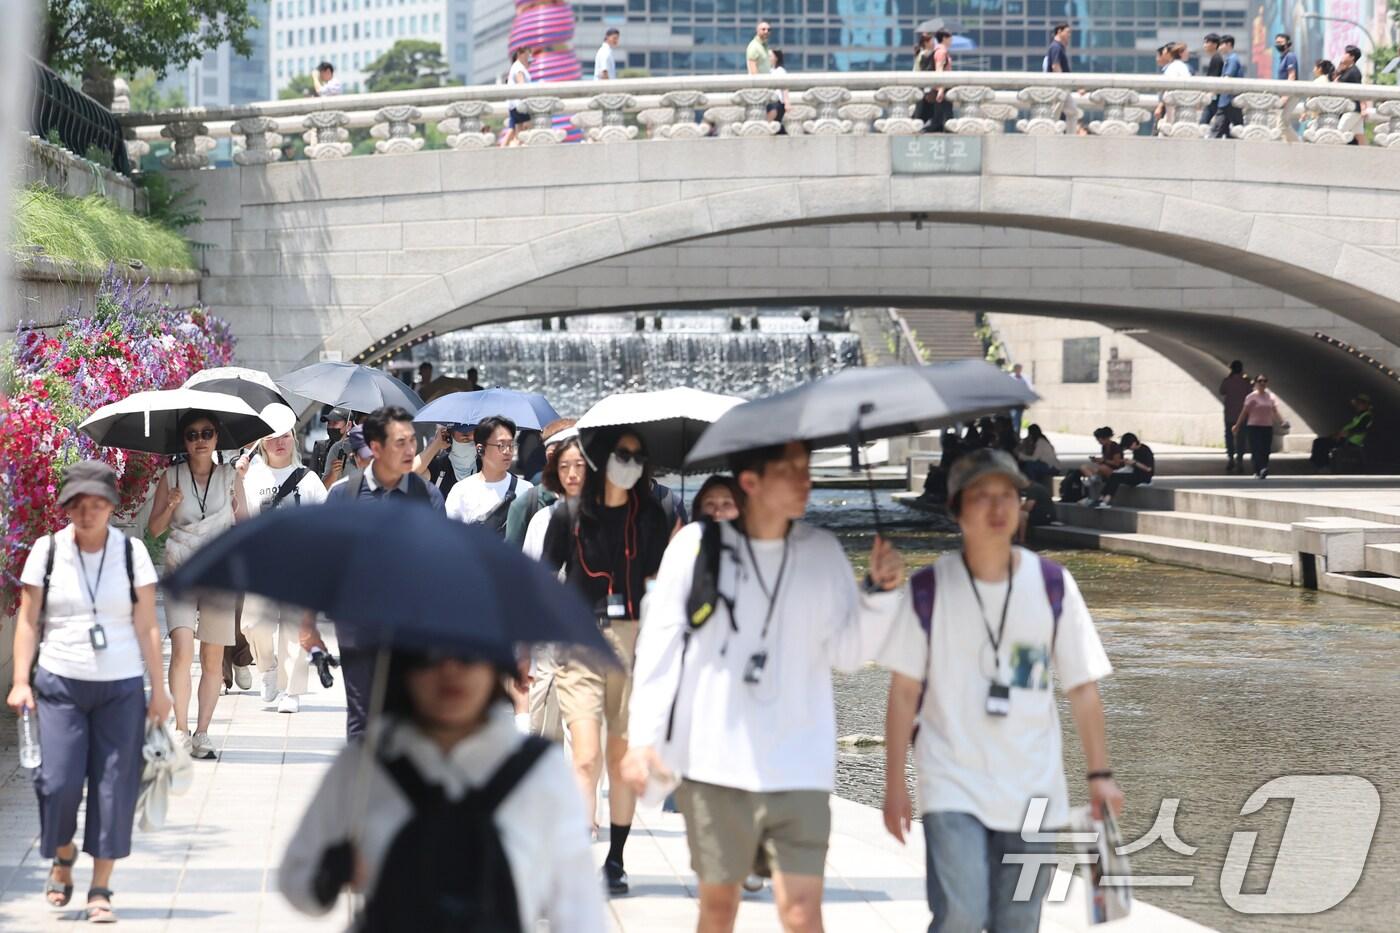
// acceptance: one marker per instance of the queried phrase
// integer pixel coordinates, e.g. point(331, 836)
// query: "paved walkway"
point(215, 863)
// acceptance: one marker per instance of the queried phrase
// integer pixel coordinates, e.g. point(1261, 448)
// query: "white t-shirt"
point(66, 647)
point(262, 483)
point(970, 761)
point(519, 74)
point(1177, 69)
point(779, 734)
point(473, 499)
point(533, 545)
point(604, 61)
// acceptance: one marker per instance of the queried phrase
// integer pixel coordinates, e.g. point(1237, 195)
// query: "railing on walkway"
point(907, 350)
point(81, 123)
point(986, 103)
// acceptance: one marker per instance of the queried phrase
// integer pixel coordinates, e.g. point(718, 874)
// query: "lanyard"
point(92, 588)
point(1001, 630)
point(201, 500)
point(763, 584)
point(629, 553)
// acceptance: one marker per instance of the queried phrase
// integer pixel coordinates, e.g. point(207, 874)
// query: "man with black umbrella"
point(745, 715)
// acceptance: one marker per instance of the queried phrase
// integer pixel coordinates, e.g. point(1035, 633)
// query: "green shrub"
point(93, 231)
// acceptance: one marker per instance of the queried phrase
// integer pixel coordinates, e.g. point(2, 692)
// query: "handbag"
point(167, 771)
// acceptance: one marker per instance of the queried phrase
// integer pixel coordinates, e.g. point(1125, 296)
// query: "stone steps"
point(944, 335)
point(1191, 526)
point(1269, 566)
point(1383, 558)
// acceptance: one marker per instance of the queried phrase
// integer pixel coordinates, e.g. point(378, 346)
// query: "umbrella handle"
point(856, 441)
point(373, 734)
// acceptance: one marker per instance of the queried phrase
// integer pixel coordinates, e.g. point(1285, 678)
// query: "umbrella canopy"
point(669, 422)
point(433, 584)
point(148, 421)
point(865, 404)
point(931, 26)
point(529, 410)
point(349, 385)
point(252, 385)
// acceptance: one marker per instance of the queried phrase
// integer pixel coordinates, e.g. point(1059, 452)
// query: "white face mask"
point(623, 475)
point(462, 456)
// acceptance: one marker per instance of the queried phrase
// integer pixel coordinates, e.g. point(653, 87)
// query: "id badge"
point(999, 700)
point(617, 606)
point(98, 637)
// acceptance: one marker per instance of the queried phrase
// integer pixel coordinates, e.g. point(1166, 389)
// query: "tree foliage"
point(148, 97)
point(299, 86)
point(125, 36)
point(409, 64)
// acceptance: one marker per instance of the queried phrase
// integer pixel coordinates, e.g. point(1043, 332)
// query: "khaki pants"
point(585, 692)
point(274, 633)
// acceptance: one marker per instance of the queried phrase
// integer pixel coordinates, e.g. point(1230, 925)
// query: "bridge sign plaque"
point(936, 155)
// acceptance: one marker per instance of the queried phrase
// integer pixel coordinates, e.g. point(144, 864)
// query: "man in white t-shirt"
point(605, 63)
point(324, 83)
point(486, 495)
point(974, 656)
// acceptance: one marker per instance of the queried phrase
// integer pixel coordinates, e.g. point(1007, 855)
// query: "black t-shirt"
point(1143, 454)
point(1043, 506)
point(1056, 55)
point(1350, 75)
point(1216, 67)
point(597, 560)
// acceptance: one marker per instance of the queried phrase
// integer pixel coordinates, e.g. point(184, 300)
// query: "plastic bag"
point(167, 772)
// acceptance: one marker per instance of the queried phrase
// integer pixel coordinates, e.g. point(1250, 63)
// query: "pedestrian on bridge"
point(1258, 417)
point(756, 56)
point(605, 63)
point(516, 118)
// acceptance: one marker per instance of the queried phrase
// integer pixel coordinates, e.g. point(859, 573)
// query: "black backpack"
point(702, 601)
point(1072, 488)
point(48, 573)
point(496, 518)
point(446, 869)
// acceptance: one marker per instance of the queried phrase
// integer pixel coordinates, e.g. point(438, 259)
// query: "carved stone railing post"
point(1262, 116)
point(327, 137)
point(1182, 119)
point(828, 101)
point(1116, 103)
point(656, 119)
point(463, 127)
point(755, 101)
point(861, 116)
point(724, 119)
point(395, 131)
point(261, 141)
point(795, 116)
point(185, 151)
point(542, 131)
point(1388, 134)
point(973, 119)
point(1327, 113)
point(682, 124)
point(614, 128)
point(1045, 104)
point(136, 149)
point(899, 103)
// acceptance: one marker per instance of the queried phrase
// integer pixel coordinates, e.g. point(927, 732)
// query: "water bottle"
point(29, 756)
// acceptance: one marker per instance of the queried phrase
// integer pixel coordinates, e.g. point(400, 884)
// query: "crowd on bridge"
point(721, 618)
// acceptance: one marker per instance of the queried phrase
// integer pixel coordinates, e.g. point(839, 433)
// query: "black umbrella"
point(257, 395)
point(865, 403)
point(349, 385)
point(149, 421)
point(400, 575)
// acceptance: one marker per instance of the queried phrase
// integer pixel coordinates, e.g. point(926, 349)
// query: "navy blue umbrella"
point(400, 575)
point(529, 410)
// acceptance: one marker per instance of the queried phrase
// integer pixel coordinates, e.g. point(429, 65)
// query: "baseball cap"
point(336, 414)
point(986, 461)
point(279, 418)
point(89, 478)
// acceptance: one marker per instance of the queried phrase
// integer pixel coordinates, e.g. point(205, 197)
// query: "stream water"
point(1220, 685)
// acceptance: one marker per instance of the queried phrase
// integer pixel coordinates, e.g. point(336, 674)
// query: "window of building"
point(323, 35)
point(459, 51)
point(279, 11)
point(1080, 360)
point(357, 30)
point(461, 22)
point(333, 35)
point(281, 68)
point(437, 22)
point(389, 30)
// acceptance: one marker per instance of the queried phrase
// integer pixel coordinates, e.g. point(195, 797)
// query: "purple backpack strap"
point(923, 586)
point(1054, 576)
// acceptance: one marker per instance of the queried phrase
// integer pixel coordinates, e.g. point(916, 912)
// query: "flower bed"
point(129, 342)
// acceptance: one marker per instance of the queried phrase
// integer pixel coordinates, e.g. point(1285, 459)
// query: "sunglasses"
point(208, 434)
point(624, 455)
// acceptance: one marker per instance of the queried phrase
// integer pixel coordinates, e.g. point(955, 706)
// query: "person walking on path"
point(196, 501)
point(718, 499)
point(394, 445)
point(740, 707)
point(486, 495)
point(975, 696)
point(86, 633)
point(324, 83)
point(1018, 372)
point(1212, 65)
point(609, 549)
point(278, 479)
point(450, 458)
point(1287, 70)
point(1234, 389)
point(605, 62)
point(1057, 62)
point(1226, 113)
point(465, 823)
point(335, 420)
point(777, 108)
point(1258, 417)
point(756, 56)
point(516, 118)
point(941, 109)
point(542, 495)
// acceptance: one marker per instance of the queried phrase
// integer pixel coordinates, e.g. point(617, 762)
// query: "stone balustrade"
point(661, 109)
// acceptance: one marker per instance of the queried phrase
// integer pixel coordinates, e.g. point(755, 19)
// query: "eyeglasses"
point(624, 455)
point(208, 434)
point(504, 447)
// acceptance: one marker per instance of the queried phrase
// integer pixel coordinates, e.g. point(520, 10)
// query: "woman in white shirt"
point(516, 118)
point(1178, 66)
point(86, 633)
point(449, 732)
point(277, 478)
point(778, 108)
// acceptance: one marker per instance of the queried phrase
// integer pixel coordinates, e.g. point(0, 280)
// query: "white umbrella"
point(231, 372)
point(148, 421)
point(252, 385)
point(668, 421)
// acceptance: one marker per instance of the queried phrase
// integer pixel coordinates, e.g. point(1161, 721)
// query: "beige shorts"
point(733, 833)
point(584, 692)
point(211, 617)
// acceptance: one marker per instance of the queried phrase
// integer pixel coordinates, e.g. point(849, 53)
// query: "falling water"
point(602, 354)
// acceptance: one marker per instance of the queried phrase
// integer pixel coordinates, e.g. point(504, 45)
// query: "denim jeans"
point(969, 887)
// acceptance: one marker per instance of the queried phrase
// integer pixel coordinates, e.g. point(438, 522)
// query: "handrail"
point(80, 121)
point(907, 343)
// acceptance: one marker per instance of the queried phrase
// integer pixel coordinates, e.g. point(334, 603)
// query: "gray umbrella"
point(348, 385)
point(931, 26)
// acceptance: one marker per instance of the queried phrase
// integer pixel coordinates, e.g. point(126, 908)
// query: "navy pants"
point(1261, 443)
point(90, 733)
point(970, 887)
point(357, 670)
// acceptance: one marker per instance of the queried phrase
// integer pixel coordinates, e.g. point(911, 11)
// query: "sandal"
point(52, 887)
point(100, 913)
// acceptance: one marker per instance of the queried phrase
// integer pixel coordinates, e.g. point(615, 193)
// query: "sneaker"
point(1264, 473)
point(184, 739)
point(1104, 504)
point(269, 688)
point(243, 677)
point(289, 703)
point(616, 878)
point(201, 747)
point(753, 884)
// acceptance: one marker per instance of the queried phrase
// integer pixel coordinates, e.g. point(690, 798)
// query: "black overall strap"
point(420, 793)
point(510, 773)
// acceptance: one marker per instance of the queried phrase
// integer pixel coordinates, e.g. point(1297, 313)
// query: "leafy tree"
point(148, 97)
point(299, 86)
point(102, 37)
point(409, 64)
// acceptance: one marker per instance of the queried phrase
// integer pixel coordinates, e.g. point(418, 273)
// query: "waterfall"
point(603, 354)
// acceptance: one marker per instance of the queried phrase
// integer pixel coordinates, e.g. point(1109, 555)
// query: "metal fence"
point(82, 125)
